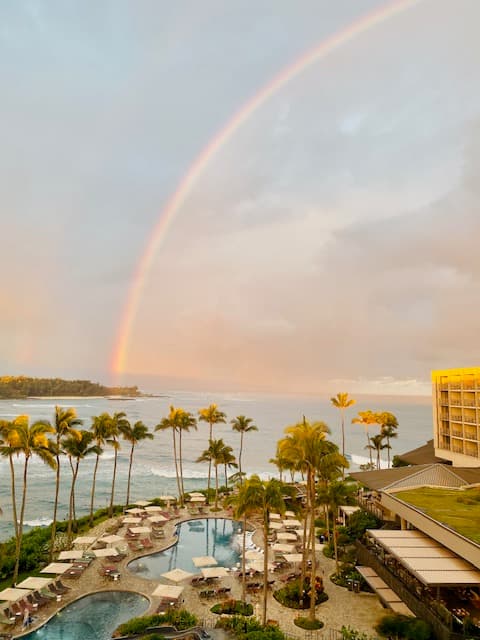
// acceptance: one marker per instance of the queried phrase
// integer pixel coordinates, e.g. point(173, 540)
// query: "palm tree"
point(212, 415)
point(341, 401)
point(100, 430)
point(366, 418)
point(229, 462)
point(185, 422)
point(77, 446)
point(336, 494)
point(388, 428)
point(242, 425)
point(7, 442)
point(118, 421)
point(376, 444)
point(66, 422)
point(171, 422)
point(133, 435)
point(214, 455)
point(28, 440)
point(245, 502)
point(304, 445)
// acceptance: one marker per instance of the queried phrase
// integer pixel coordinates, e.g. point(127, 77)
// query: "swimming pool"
point(217, 537)
point(94, 617)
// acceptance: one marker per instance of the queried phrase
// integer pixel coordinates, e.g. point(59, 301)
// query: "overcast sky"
point(331, 244)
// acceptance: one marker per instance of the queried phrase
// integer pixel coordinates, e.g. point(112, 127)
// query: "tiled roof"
point(439, 475)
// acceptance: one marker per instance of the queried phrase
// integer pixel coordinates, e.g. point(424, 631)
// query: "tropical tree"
point(229, 461)
point(388, 428)
point(7, 441)
point(185, 421)
point(341, 402)
point(212, 415)
point(133, 435)
point(335, 494)
point(242, 425)
point(214, 455)
point(170, 422)
point(65, 424)
point(377, 445)
point(366, 418)
point(304, 445)
point(283, 464)
point(100, 429)
point(118, 421)
point(77, 447)
point(28, 441)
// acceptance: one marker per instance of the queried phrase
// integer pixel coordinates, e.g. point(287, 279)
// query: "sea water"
point(153, 467)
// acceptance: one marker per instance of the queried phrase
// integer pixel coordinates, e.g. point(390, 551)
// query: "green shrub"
point(180, 619)
point(250, 628)
point(352, 634)
point(291, 594)
point(233, 607)
point(306, 623)
point(359, 522)
point(403, 627)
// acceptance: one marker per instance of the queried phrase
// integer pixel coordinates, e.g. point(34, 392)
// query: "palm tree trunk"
point(209, 466)
point(388, 451)
point(71, 513)
point(129, 475)
point(343, 440)
point(92, 494)
point(18, 545)
point(55, 505)
point(369, 445)
point(335, 544)
point(313, 591)
point(180, 462)
point(304, 549)
point(244, 544)
point(180, 494)
point(112, 495)
point(240, 456)
point(265, 567)
point(14, 498)
point(216, 487)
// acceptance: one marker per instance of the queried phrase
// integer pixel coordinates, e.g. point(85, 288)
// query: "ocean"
point(153, 469)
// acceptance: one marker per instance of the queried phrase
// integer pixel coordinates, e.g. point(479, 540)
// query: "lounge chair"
point(61, 587)
point(7, 617)
point(147, 543)
point(46, 593)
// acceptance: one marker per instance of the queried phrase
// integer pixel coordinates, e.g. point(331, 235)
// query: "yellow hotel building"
point(456, 416)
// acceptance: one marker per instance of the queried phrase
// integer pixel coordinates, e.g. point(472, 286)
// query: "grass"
point(458, 509)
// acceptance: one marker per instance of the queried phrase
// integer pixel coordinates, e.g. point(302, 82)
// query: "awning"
point(381, 588)
point(168, 591)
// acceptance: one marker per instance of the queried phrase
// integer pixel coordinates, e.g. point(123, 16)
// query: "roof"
point(421, 455)
point(437, 475)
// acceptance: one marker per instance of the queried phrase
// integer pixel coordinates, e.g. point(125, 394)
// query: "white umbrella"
point(275, 525)
point(293, 524)
point(142, 503)
point(214, 572)
point(157, 519)
point(166, 498)
point(204, 561)
point(103, 553)
point(289, 514)
point(177, 575)
point(286, 536)
point(196, 494)
point(73, 554)
point(257, 565)
point(131, 520)
point(141, 530)
point(197, 498)
point(293, 557)
point(153, 509)
point(12, 594)
point(86, 540)
point(57, 567)
point(253, 555)
point(168, 591)
point(135, 511)
point(112, 539)
point(34, 583)
point(284, 548)
point(275, 516)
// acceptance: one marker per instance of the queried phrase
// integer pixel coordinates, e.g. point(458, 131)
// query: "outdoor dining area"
point(22, 603)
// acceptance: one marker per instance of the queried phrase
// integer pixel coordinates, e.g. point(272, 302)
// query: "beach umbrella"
point(131, 520)
point(166, 498)
point(257, 565)
point(200, 498)
point(289, 514)
point(284, 548)
point(168, 591)
point(275, 516)
point(153, 509)
point(142, 503)
point(57, 567)
point(84, 540)
point(275, 526)
point(204, 561)
point(196, 494)
point(135, 511)
point(34, 583)
point(286, 536)
point(253, 555)
point(293, 557)
point(103, 553)
point(293, 524)
point(157, 519)
point(112, 539)
point(140, 529)
point(177, 575)
point(214, 572)
point(12, 594)
point(72, 554)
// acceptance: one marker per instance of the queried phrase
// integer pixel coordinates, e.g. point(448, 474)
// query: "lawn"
point(459, 510)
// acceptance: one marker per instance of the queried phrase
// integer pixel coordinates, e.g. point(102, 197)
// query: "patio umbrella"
point(275, 516)
point(293, 524)
point(141, 530)
point(286, 536)
point(12, 594)
point(168, 591)
point(142, 503)
point(204, 561)
point(34, 583)
point(85, 540)
point(103, 553)
point(293, 557)
point(57, 567)
point(253, 555)
point(157, 519)
point(166, 498)
point(112, 539)
point(289, 514)
point(214, 572)
point(196, 494)
point(284, 548)
point(131, 520)
point(73, 554)
point(257, 565)
point(177, 575)
point(135, 511)
point(200, 498)
point(153, 509)
point(275, 525)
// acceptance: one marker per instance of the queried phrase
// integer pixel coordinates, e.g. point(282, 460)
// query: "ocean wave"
point(42, 521)
point(170, 473)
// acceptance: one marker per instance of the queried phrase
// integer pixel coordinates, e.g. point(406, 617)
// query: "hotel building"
point(456, 416)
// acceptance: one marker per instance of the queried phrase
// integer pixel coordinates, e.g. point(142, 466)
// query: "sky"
point(330, 244)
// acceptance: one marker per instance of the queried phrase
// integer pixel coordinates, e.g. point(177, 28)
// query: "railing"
point(442, 630)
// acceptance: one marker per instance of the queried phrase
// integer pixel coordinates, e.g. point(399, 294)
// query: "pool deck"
point(358, 610)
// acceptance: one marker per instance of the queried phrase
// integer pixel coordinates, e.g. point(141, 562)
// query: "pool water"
point(217, 537)
point(94, 617)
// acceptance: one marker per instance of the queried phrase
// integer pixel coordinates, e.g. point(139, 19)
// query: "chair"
point(147, 543)
point(63, 588)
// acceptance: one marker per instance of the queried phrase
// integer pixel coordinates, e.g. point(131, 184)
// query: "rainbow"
point(185, 186)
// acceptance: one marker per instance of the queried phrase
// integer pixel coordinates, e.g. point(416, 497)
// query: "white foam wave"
point(170, 473)
point(38, 522)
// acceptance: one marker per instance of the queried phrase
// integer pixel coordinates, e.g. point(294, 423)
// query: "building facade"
point(456, 415)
